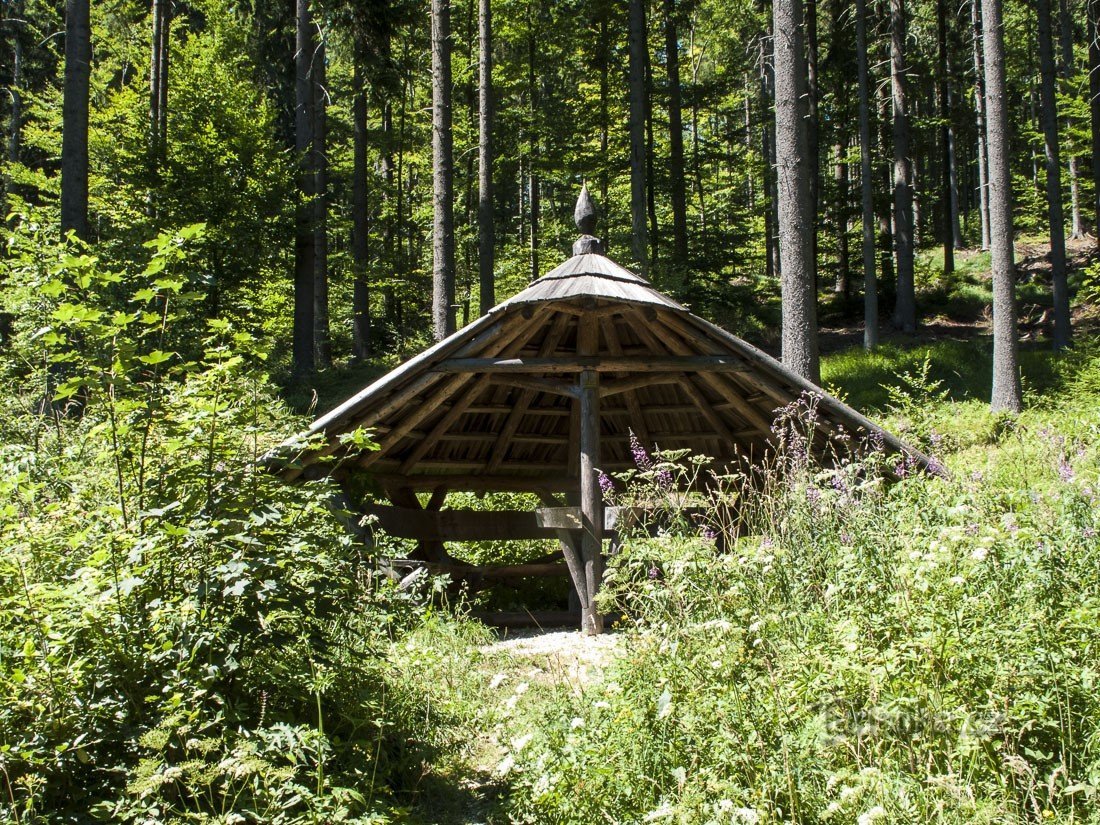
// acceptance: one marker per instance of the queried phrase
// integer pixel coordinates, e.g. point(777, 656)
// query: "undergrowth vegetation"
point(183, 636)
point(849, 651)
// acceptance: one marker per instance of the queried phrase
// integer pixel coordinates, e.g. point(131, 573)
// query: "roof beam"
point(598, 363)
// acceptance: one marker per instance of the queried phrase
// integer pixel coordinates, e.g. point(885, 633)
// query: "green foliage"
point(857, 653)
point(183, 636)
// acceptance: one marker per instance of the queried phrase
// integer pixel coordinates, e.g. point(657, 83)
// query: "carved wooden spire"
point(585, 216)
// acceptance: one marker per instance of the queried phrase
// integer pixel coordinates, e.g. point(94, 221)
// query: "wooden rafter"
point(511, 424)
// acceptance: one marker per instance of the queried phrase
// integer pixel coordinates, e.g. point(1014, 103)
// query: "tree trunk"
point(952, 233)
point(534, 194)
point(637, 47)
point(1055, 217)
point(793, 168)
point(870, 285)
point(360, 324)
point(1094, 107)
point(1006, 393)
point(158, 82)
point(813, 151)
point(74, 135)
point(650, 155)
point(676, 138)
point(304, 245)
point(905, 308)
point(485, 228)
point(1065, 24)
point(979, 111)
point(322, 337)
point(443, 249)
point(15, 122)
point(843, 264)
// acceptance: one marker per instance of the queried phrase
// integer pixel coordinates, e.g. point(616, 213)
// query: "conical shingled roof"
point(492, 406)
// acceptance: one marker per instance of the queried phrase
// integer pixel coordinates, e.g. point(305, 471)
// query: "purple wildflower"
point(766, 543)
point(838, 483)
point(709, 533)
point(654, 572)
point(1089, 533)
point(935, 440)
point(1065, 469)
point(607, 486)
point(641, 457)
point(845, 537)
point(813, 495)
point(664, 479)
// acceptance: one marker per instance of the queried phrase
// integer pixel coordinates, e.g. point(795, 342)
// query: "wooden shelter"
point(543, 393)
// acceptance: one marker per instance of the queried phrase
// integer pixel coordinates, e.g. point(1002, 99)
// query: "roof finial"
point(585, 216)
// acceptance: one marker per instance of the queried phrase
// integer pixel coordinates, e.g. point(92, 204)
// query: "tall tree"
point(637, 48)
point(1065, 25)
point(15, 90)
point(74, 135)
point(158, 81)
point(813, 150)
point(952, 231)
point(676, 137)
point(905, 307)
point(843, 274)
point(870, 286)
point(1094, 106)
point(485, 219)
point(304, 238)
point(360, 259)
point(321, 333)
point(979, 112)
point(1006, 395)
point(1049, 116)
point(796, 224)
point(443, 249)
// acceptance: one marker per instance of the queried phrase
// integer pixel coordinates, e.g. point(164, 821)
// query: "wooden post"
point(591, 498)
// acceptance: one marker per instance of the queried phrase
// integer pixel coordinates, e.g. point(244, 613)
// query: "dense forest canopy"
point(211, 138)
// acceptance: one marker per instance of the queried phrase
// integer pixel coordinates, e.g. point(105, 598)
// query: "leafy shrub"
point(183, 637)
point(858, 653)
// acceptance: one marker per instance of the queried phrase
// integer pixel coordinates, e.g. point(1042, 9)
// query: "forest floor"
point(951, 314)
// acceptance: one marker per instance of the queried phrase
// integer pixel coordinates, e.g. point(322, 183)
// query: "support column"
point(591, 498)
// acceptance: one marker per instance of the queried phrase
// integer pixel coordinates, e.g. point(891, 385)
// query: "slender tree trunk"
point(1065, 24)
point(305, 240)
point(637, 48)
point(952, 233)
point(443, 249)
point(676, 138)
point(322, 337)
point(767, 154)
point(979, 111)
point(15, 121)
point(533, 189)
point(886, 203)
point(796, 224)
point(485, 219)
point(1006, 393)
point(870, 285)
point(74, 137)
point(360, 223)
point(905, 308)
point(1094, 107)
point(605, 117)
point(1056, 219)
point(650, 156)
point(158, 82)
point(696, 155)
point(812, 128)
point(843, 264)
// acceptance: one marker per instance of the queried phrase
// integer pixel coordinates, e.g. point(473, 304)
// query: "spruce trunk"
point(793, 168)
point(1055, 217)
point(443, 249)
point(1006, 395)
